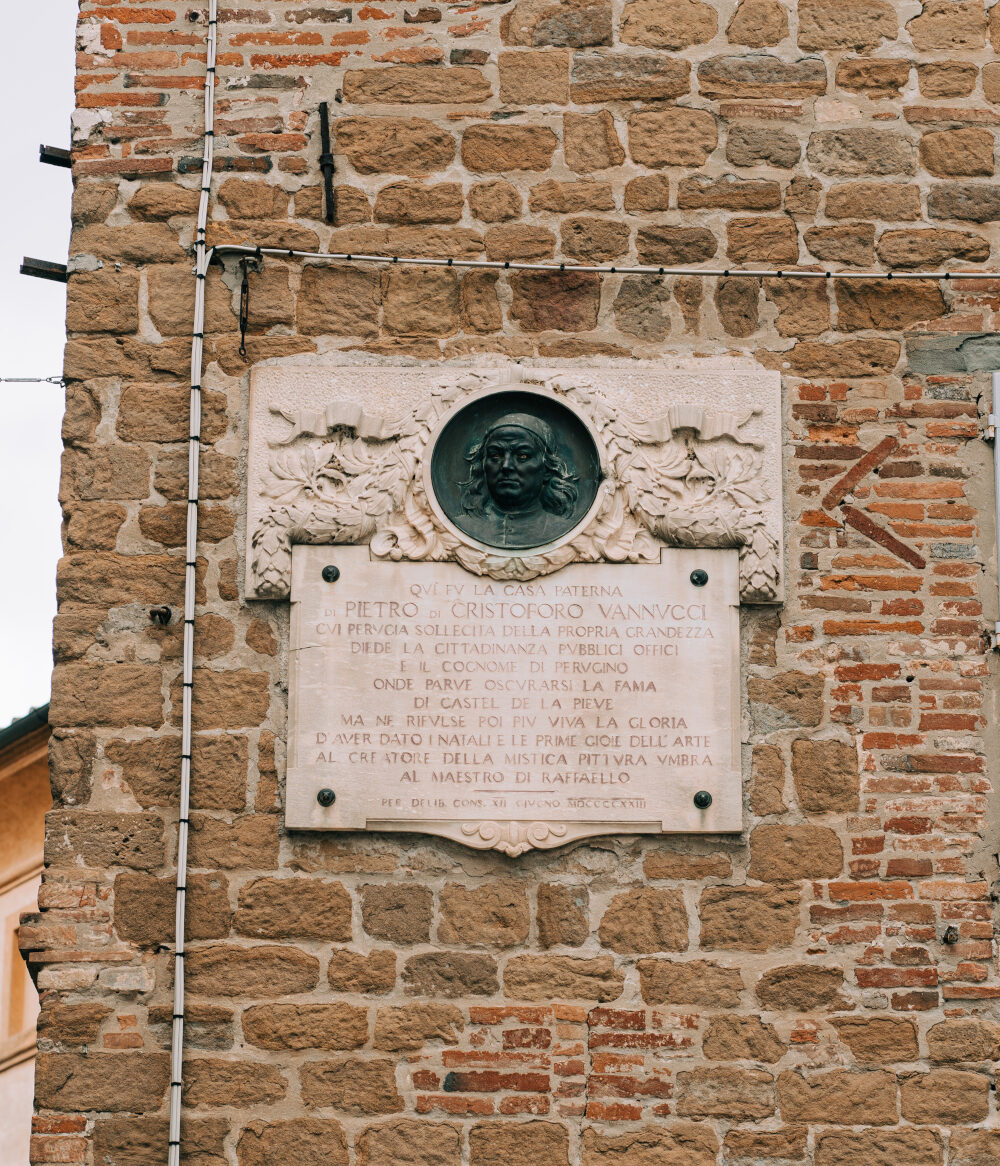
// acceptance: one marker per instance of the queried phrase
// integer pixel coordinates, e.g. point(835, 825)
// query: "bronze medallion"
point(515, 470)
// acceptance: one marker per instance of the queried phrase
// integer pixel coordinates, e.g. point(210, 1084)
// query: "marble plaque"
point(598, 699)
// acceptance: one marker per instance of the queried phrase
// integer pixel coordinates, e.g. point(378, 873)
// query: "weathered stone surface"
point(409, 1142)
point(728, 192)
point(156, 412)
point(843, 358)
point(927, 248)
point(224, 700)
point(533, 1143)
point(748, 918)
point(592, 240)
point(606, 76)
point(669, 864)
point(399, 914)
point(569, 23)
point(957, 153)
point(761, 75)
point(93, 201)
point(861, 151)
point(352, 1085)
point(491, 149)
point(800, 988)
point(749, 1146)
point(560, 302)
point(762, 240)
point(566, 198)
point(590, 142)
point(879, 1147)
point(338, 301)
point(838, 1097)
point(939, 79)
point(416, 84)
point(850, 243)
point(102, 301)
point(671, 137)
point(265, 971)
point(737, 302)
point(278, 908)
point(250, 841)
point(871, 304)
point(411, 1026)
point(144, 907)
point(699, 982)
point(877, 1040)
point(963, 1039)
point(762, 146)
point(130, 243)
point(735, 1094)
point(803, 310)
point(139, 1141)
point(450, 974)
point(208, 1081)
point(562, 915)
point(249, 198)
point(641, 307)
point(947, 25)
point(649, 192)
point(495, 201)
point(306, 1141)
point(974, 1147)
point(780, 854)
point(305, 1026)
point(130, 1082)
point(675, 245)
point(645, 920)
point(411, 145)
point(856, 200)
point(350, 204)
point(100, 839)
point(991, 74)
point(785, 700)
point(668, 24)
point(150, 202)
point(873, 76)
point(758, 24)
point(481, 310)
point(742, 1038)
point(415, 202)
point(676, 1144)
point(494, 913)
point(825, 775)
point(107, 694)
point(544, 977)
point(373, 974)
point(519, 242)
point(855, 24)
point(421, 302)
point(945, 1097)
point(534, 78)
point(974, 202)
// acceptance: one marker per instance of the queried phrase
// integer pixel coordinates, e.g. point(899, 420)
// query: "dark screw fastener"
point(331, 574)
point(160, 615)
point(326, 797)
point(703, 799)
point(699, 578)
point(951, 935)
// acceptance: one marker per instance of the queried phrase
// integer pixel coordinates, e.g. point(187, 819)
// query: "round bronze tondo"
point(515, 470)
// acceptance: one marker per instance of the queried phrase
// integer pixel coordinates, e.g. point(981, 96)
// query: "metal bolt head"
point(699, 577)
point(703, 799)
point(326, 797)
point(331, 574)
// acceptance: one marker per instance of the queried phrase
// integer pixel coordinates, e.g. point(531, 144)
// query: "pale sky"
point(36, 85)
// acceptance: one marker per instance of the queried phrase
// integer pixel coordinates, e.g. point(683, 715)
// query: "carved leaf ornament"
point(687, 478)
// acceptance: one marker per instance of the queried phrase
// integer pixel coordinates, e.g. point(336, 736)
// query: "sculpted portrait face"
point(515, 470)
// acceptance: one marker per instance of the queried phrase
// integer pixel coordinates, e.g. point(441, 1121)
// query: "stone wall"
point(821, 989)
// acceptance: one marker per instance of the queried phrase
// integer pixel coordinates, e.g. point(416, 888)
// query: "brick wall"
point(822, 989)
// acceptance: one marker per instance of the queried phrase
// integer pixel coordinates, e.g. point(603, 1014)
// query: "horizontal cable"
point(598, 268)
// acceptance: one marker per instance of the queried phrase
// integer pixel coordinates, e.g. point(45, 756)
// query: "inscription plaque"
point(511, 714)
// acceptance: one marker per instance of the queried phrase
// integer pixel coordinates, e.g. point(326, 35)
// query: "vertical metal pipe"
point(202, 259)
point(326, 162)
